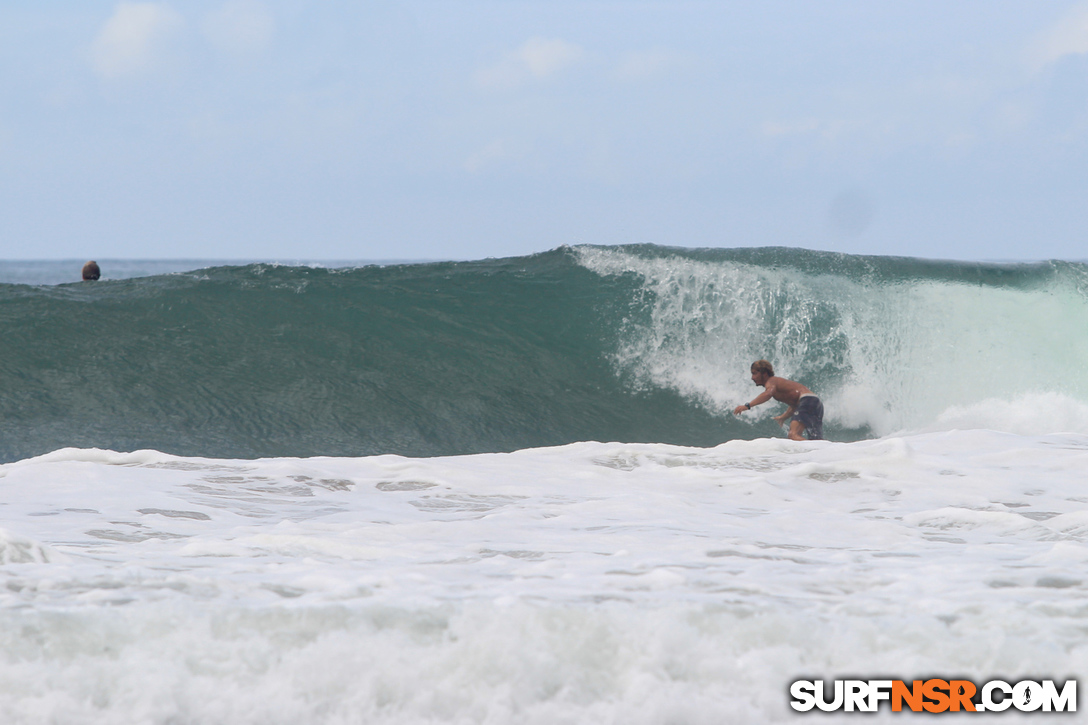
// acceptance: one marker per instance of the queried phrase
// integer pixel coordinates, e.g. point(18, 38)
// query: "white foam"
point(596, 582)
point(915, 354)
point(16, 549)
point(1031, 414)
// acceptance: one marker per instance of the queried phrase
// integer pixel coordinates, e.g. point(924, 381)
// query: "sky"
point(424, 129)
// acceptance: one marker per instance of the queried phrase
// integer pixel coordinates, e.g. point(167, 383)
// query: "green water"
point(630, 343)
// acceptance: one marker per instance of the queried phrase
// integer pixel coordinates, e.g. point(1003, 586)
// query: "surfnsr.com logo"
point(934, 695)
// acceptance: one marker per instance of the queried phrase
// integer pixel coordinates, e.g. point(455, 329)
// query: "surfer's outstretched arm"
point(763, 397)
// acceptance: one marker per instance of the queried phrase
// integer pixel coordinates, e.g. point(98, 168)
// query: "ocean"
point(513, 490)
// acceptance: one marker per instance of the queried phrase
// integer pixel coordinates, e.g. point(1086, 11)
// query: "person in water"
point(804, 406)
point(91, 271)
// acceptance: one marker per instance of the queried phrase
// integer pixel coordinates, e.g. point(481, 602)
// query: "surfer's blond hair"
point(762, 366)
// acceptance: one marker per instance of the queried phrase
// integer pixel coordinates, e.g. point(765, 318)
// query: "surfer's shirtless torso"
point(782, 390)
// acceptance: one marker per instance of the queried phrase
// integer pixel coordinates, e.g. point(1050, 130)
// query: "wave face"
point(637, 344)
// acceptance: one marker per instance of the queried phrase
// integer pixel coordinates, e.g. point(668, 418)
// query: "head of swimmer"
point(761, 372)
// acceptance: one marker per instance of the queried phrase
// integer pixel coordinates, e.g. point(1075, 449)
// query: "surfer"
point(805, 408)
point(91, 271)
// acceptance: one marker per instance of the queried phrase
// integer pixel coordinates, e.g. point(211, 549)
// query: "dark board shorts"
point(810, 413)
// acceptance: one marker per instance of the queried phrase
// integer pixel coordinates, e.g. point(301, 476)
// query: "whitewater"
point(529, 567)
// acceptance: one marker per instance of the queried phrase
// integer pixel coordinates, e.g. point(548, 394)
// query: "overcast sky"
point(275, 129)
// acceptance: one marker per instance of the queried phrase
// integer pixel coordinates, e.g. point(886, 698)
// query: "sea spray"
point(889, 343)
